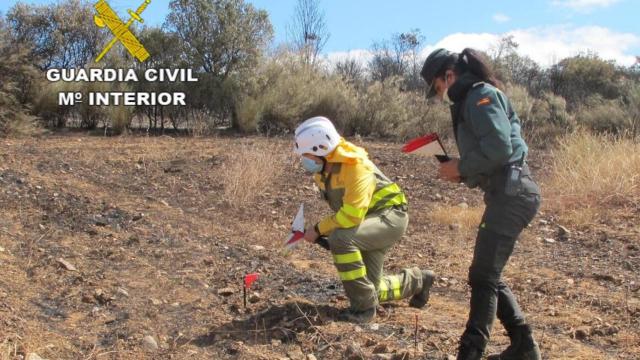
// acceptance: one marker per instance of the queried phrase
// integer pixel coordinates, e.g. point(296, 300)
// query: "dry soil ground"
point(130, 248)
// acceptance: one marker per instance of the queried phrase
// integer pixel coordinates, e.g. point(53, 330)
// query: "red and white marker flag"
point(428, 145)
point(297, 232)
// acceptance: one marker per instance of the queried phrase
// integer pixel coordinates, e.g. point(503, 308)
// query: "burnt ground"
point(109, 246)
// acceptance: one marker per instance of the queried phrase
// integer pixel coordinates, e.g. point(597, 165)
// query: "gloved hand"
point(322, 241)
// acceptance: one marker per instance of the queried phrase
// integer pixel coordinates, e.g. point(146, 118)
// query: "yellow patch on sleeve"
point(484, 101)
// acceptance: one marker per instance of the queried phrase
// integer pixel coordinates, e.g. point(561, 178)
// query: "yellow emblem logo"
point(107, 17)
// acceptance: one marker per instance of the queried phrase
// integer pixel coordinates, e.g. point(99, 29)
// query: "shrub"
point(593, 174)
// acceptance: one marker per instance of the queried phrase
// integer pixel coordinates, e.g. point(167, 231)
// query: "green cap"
point(434, 63)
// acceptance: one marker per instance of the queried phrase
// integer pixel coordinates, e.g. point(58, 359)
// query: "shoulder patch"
point(484, 101)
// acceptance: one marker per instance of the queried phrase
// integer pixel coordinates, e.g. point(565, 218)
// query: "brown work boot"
point(420, 299)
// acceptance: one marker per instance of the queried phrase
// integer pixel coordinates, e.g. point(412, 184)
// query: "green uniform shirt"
point(487, 130)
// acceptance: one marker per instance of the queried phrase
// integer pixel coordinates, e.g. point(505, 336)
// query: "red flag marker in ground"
point(248, 280)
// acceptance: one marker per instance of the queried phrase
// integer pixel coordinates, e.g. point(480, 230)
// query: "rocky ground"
point(130, 248)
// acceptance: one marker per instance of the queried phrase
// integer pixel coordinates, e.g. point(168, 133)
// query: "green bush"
point(285, 92)
point(604, 116)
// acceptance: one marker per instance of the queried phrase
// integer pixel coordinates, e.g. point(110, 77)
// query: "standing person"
point(370, 216)
point(492, 157)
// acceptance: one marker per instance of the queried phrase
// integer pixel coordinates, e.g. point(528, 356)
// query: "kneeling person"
point(370, 216)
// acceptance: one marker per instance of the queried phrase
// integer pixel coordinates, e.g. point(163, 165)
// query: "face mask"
point(311, 166)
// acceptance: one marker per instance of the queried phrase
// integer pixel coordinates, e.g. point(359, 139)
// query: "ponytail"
point(472, 61)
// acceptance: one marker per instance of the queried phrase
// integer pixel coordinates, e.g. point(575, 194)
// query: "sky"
point(546, 30)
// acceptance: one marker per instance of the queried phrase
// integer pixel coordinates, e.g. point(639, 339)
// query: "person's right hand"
point(311, 235)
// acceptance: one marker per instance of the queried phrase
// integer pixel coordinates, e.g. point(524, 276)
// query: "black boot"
point(469, 352)
point(522, 347)
point(358, 317)
point(420, 299)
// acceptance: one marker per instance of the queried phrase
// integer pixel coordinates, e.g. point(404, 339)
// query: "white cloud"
point(501, 18)
point(363, 56)
point(545, 45)
point(584, 5)
point(548, 45)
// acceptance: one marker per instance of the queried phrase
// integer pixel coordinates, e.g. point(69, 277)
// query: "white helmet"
point(316, 136)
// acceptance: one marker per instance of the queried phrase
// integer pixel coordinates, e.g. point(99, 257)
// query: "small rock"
point(123, 292)
point(254, 298)
point(67, 265)
point(543, 222)
point(463, 205)
point(402, 355)
point(276, 342)
point(137, 217)
point(374, 327)
point(581, 333)
point(455, 227)
point(311, 357)
point(102, 297)
point(257, 247)
point(570, 281)
point(33, 356)
point(370, 342)
point(1, 249)
point(295, 354)
point(563, 232)
point(353, 352)
point(357, 329)
point(381, 349)
point(438, 197)
point(451, 357)
point(382, 357)
point(155, 302)
point(149, 343)
point(549, 240)
point(226, 291)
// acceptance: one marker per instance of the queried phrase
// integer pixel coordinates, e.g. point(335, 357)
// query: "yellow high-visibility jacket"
point(354, 187)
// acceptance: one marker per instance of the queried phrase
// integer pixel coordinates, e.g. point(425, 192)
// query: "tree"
point(580, 77)
point(308, 30)
point(350, 70)
point(14, 67)
point(219, 36)
point(511, 67)
point(59, 35)
point(397, 57)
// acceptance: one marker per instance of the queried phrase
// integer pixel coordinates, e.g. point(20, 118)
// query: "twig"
point(8, 233)
point(313, 326)
point(415, 336)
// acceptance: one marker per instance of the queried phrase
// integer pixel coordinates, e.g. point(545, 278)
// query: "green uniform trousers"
point(359, 252)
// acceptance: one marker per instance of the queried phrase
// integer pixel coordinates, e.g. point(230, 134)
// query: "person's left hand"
point(449, 170)
point(310, 234)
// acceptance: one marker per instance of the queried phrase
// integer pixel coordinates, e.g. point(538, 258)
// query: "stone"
point(149, 343)
point(311, 357)
point(401, 355)
point(226, 291)
point(67, 265)
point(258, 247)
point(581, 333)
point(296, 354)
point(254, 298)
point(455, 227)
point(122, 292)
point(382, 357)
point(549, 240)
point(353, 352)
point(463, 205)
point(155, 302)
point(1, 249)
point(33, 356)
point(381, 349)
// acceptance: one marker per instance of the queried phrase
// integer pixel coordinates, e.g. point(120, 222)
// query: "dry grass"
point(249, 171)
point(593, 174)
point(466, 217)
